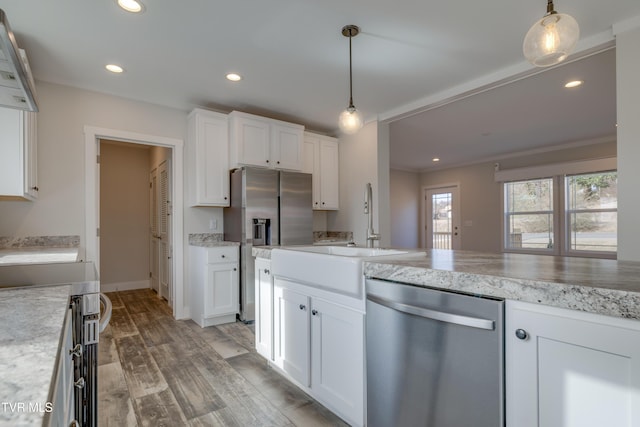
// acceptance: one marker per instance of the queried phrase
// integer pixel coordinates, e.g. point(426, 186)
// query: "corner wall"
point(628, 107)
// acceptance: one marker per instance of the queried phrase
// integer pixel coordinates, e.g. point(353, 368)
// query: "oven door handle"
point(106, 316)
point(441, 316)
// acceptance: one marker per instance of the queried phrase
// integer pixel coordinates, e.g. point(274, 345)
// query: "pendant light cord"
point(350, 73)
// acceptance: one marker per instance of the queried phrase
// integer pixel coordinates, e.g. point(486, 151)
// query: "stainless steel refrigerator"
point(268, 207)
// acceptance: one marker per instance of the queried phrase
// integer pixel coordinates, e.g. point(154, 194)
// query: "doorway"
point(135, 207)
point(174, 271)
point(442, 217)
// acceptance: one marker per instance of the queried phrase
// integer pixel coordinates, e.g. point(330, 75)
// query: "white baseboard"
point(124, 286)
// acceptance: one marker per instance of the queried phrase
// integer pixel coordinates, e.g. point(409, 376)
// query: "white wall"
point(358, 166)
point(405, 209)
point(60, 208)
point(628, 110)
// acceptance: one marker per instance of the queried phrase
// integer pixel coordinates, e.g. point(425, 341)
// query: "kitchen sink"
point(337, 268)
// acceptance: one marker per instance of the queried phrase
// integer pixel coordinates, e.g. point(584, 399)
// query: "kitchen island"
point(571, 329)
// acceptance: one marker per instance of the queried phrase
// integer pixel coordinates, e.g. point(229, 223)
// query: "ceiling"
point(410, 57)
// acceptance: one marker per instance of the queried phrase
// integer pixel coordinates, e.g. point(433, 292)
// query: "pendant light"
point(350, 120)
point(551, 39)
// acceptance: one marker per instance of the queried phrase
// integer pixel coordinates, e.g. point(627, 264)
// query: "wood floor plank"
point(140, 370)
point(240, 333)
point(177, 373)
point(114, 403)
point(246, 405)
point(121, 323)
point(221, 342)
point(107, 351)
point(159, 410)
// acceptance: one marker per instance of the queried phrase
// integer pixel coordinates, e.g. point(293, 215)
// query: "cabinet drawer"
point(222, 254)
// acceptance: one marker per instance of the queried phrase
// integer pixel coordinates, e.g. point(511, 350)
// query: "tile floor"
point(156, 371)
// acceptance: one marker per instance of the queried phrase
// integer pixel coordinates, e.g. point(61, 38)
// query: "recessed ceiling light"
point(234, 77)
point(573, 83)
point(435, 159)
point(132, 6)
point(114, 68)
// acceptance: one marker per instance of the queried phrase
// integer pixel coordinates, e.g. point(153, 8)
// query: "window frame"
point(561, 220)
point(566, 221)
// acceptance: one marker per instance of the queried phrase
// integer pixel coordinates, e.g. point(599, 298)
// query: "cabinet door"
point(221, 290)
point(286, 147)
point(337, 357)
point(291, 333)
point(208, 159)
point(251, 141)
point(312, 165)
point(30, 155)
point(18, 157)
point(329, 174)
point(264, 308)
point(572, 369)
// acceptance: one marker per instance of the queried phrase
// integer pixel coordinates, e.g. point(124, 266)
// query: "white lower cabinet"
point(570, 369)
point(264, 308)
point(320, 345)
point(214, 284)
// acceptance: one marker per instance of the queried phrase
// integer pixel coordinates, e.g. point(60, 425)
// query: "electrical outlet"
point(213, 224)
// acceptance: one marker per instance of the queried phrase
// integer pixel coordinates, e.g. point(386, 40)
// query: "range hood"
point(17, 89)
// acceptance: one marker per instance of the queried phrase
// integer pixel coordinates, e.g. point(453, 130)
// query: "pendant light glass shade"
point(350, 120)
point(551, 39)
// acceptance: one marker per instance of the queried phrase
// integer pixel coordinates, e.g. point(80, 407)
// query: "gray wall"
point(480, 205)
point(405, 209)
point(124, 213)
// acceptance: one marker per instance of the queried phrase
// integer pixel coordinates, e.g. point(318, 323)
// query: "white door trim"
point(92, 135)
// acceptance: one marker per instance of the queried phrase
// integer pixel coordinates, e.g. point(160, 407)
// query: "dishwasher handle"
point(441, 316)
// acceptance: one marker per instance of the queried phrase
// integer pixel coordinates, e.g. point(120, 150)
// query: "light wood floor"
point(156, 371)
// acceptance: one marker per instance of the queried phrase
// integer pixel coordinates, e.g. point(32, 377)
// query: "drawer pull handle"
point(314, 312)
point(302, 307)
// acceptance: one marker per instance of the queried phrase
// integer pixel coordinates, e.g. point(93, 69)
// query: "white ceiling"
point(411, 54)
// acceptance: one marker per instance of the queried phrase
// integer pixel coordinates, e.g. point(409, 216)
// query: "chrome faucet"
point(368, 210)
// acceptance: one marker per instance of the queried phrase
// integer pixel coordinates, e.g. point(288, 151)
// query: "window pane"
point(594, 231)
point(593, 191)
point(530, 231)
point(527, 196)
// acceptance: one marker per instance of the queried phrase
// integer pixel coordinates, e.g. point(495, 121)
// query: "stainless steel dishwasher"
point(434, 358)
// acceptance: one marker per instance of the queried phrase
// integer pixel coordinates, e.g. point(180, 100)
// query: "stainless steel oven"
point(434, 358)
point(86, 302)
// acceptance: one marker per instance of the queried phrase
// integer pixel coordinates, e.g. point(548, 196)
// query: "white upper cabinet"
point(18, 155)
point(208, 158)
point(321, 159)
point(263, 142)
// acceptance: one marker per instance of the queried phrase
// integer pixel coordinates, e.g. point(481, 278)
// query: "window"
point(592, 212)
point(562, 215)
point(529, 214)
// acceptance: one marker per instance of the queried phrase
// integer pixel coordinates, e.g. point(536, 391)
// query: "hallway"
point(156, 371)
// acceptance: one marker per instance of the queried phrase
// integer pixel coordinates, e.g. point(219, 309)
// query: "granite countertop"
point(214, 244)
point(37, 255)
point(600, 286)
point(32, 319)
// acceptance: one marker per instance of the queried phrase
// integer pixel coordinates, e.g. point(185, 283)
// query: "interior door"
point(442, 218)
point(164, 232)
point(154, 252)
